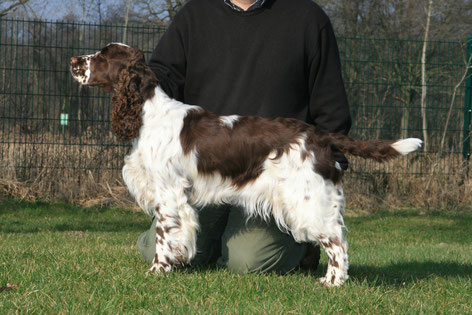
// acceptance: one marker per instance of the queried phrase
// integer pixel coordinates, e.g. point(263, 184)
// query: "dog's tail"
point(378, 150)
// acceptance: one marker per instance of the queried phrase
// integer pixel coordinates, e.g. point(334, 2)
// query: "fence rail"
point(54, 130)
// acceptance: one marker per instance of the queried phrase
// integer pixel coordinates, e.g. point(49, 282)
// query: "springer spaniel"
point(184, 157)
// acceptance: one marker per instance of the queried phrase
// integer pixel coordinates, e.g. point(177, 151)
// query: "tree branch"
point(12, 7)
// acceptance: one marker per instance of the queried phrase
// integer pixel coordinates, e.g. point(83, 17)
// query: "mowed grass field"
point(58, 258)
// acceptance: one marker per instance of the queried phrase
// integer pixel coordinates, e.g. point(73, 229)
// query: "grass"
point(61, 258)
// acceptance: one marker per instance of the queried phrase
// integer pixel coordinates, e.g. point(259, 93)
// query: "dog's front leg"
point(165, 254)
point(336, 248)
point(176, 231)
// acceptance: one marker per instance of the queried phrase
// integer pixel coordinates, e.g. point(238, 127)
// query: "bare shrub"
point(53, 168)
point(396, 185)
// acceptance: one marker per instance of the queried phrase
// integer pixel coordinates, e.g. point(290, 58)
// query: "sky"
point(58, 9)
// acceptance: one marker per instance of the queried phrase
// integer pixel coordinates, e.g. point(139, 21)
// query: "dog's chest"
point(157, 158)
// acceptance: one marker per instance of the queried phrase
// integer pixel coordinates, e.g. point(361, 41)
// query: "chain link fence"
point(55, 132)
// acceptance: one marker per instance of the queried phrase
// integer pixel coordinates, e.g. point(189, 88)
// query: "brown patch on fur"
point(167, 229)
point(160, 232)
point(156, 259)
point(335, 263)
point(378, 150)
point(238, 152)
point(325, 244)
point(158, 214)
point(335, 241)
point(164, 265)
point(167, 260)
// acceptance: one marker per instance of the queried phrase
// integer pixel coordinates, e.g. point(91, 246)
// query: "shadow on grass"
point(118, 222)
point(395, 275)
point(33, 217)
point(108, 226)
point(400, 273)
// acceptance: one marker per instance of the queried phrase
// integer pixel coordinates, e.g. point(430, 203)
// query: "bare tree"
point(126, 20)
point(11, 6)
point(399, 18)
point(423, 76)
point(99, 10)
point(159, 12)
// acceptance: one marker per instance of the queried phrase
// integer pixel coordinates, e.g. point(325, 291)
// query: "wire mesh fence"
point(56, 132)
point(385, 84)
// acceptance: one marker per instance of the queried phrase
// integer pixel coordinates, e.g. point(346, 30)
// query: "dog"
point(184, 157)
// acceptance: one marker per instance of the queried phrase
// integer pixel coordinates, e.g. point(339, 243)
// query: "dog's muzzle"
point(80, 68)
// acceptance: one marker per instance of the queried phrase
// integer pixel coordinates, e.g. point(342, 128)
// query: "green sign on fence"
point(64, 119)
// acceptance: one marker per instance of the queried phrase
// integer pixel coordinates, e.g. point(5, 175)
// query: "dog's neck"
point(127, 112)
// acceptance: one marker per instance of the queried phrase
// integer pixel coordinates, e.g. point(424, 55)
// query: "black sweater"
point(280, 60)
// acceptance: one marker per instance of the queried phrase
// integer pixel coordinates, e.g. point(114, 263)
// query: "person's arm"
point(168, 60)
point(329, 108)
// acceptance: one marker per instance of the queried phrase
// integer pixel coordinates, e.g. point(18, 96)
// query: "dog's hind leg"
point(336, 247)
point(314, 213)
point(332, 238)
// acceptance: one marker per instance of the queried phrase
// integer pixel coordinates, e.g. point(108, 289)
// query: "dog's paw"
point(159, 268)
point(333, 282)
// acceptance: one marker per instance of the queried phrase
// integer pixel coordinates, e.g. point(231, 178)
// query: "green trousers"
point(229, 239)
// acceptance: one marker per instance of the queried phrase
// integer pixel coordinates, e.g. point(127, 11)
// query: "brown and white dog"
point(184, 157)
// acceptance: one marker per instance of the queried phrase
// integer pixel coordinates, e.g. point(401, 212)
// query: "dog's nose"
point(73, 61)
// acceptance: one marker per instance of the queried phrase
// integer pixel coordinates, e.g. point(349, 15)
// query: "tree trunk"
point(423, 77)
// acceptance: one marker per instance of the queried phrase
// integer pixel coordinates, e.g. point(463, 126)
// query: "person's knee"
point(244, 263)
point(254, 246)
point(281, 259)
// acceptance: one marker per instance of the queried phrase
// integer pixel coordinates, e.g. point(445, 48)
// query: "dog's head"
point(120, 68)
point(104, 68)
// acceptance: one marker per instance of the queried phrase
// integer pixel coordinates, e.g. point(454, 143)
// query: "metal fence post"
point(467, 103)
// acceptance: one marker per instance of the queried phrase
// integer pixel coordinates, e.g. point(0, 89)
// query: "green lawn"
point(69, 259)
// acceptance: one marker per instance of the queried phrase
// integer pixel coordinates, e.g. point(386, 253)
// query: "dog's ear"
point(136, 84)
point(126, 116)
point(147, 79)
point(137, 57)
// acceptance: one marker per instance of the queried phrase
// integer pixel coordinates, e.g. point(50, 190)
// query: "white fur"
point(338, 166)
point(119, 44)
point(86, 77)
point(87, 72)
point(229, 120)
point(406, 146)
point(160, 176)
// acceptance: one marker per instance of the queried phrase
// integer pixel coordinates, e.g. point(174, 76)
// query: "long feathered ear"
point(136, 84)
point(126, 103)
